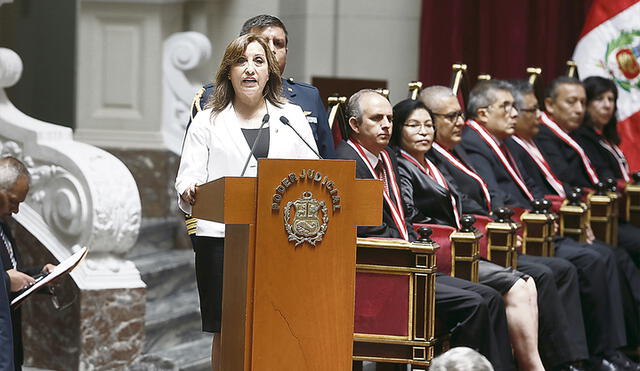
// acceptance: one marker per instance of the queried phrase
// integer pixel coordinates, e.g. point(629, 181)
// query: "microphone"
point(265, 119)
point(285, 121)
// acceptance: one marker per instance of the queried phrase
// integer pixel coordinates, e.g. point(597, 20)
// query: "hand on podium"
point(189, 194)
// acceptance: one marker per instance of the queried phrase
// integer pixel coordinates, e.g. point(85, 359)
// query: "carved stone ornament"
point(183, 51)
point(80, 195)
point(307, 225)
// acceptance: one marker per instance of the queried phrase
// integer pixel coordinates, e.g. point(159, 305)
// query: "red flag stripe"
point(602, 10)
point(629, 130)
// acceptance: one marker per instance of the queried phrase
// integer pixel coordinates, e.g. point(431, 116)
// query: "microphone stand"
point(285, 121)
point(265, 119)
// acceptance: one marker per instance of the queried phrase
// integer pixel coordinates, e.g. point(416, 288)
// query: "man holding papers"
point(14, 183)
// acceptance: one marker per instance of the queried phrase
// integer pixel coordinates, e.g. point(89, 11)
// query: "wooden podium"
point(288, 306)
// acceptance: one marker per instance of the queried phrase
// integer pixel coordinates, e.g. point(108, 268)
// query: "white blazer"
point(215, 148)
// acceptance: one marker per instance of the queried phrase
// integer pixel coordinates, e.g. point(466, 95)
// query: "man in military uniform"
point(304, 95)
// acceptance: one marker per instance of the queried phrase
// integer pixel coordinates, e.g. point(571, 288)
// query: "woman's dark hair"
point(594, 87)
point(401, 112)
point(223, 93)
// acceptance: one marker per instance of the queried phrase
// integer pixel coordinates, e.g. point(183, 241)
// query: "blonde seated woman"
point(245, 111)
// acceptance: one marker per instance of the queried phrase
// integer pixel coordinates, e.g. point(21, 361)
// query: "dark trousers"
point(629, 239)
point(629, 282)
point(600, 293)
point(561, 336)
point(475, 316)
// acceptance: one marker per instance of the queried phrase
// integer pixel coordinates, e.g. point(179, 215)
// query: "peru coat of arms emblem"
point(306, 225)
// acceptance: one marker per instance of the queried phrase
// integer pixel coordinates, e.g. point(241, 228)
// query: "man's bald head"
point(10, 170)
point(433, 96)
point(14, 185)
point(448, 117)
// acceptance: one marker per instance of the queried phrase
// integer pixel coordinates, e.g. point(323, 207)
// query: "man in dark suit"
point(562, 337)
point(492, 110)
point(6, 337)
point(304, 95)
point(474, 313)
point(15, 182)
point(535, 163)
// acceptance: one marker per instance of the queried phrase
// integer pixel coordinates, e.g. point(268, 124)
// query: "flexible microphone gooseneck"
point(285, 121)
point(265, 119)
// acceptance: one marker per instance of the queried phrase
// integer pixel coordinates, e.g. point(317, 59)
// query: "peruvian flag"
point(609, 46)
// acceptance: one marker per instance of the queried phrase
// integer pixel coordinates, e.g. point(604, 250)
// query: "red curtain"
point(498, 37)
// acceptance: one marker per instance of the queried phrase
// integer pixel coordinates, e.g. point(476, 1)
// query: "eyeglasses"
point(416, 128)
point(506, 106)
point(533, 109)
point(453, 116)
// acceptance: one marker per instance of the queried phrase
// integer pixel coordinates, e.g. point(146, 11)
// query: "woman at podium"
point(245, 119)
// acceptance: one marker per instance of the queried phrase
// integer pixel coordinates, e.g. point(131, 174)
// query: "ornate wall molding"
point(80, 195)
point(183, 51)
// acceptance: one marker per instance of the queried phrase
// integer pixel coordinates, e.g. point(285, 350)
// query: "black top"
point(262, 147)
point(426, 201)
point(603, 161)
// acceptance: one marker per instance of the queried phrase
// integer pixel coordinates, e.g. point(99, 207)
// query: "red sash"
point(495, 147)
point(546, 120)
point(436, 175)
point(458, 164)
point(619, 156)
point(397, 212)
point(533, 151)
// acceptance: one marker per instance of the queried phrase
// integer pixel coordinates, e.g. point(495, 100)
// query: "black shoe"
point(573, 366)
point(602, 364)
point(621, 361)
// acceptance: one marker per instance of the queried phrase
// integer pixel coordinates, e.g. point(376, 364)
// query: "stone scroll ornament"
point(80, 195)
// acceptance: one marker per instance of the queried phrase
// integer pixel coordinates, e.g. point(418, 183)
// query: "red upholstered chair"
point(440, 235)
point(481, 225)
point(395, 302)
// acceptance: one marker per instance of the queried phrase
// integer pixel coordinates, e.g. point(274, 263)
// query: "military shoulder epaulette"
point(299, 83)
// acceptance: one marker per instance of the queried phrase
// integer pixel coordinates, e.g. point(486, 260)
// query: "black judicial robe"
point(504, 190)
point(421, 193)
point(472, 198)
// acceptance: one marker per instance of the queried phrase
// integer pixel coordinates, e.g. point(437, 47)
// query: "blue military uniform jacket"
point(304, 95)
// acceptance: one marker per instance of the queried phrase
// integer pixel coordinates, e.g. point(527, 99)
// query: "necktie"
point(9, 248)
point(382, 174)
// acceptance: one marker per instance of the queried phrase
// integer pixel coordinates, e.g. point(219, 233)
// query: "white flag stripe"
point(591, 50)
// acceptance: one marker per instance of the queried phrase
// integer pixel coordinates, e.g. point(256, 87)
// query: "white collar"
point(373, 159)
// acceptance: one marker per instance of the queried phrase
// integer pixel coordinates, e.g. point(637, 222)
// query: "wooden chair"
point(395, 301)
point(538, 229)
point(574, 217)
point(502, 238)
point(459, 250)
point(603, 213)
